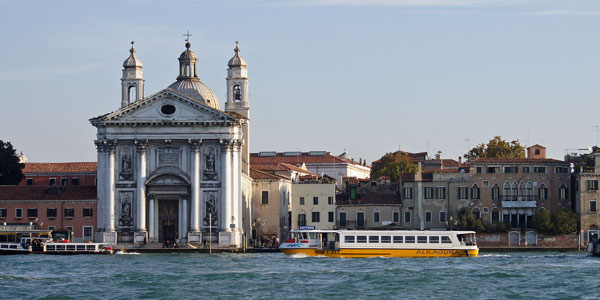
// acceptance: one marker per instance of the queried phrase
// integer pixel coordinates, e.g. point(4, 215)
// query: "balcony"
point(526, 201)
point(520, 198)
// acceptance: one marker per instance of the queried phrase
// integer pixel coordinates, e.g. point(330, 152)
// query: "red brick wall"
point(501, 240)
point(84, 180)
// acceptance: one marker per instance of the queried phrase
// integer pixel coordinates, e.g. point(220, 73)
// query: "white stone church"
point(173, 165)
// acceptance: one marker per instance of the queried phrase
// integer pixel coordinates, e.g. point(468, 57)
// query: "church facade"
point(173, 165)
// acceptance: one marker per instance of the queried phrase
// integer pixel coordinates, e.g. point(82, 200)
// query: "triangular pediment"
point(166, 107)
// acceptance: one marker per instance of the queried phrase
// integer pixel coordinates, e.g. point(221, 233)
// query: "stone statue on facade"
point(210, 172)
point(126, 219)
point(126, 165)
point(211, 211)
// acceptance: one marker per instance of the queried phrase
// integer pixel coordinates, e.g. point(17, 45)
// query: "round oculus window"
point(167, 109)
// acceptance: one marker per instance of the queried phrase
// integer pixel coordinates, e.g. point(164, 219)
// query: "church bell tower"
point(132, 82)
point(237, 99)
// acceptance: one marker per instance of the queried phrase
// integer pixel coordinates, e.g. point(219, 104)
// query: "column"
point(195, 211)
point(237, 191)
point(184, 217)
point(110, 185)
point(141, 184)
point(151, 218)
point(226, 145)
point(100, 185)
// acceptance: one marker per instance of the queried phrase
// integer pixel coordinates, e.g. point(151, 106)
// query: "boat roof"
point(426, 232)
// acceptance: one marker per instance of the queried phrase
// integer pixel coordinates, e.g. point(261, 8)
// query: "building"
point(51, 208)
point(174, 165)
point(270, 205)
point(587, 196)
point(512, 190)
point(313, 202)
point(60, 174)
point(319, 162)
point(368, 204)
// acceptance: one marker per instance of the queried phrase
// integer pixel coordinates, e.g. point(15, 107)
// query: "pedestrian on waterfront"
point(166, 244)
point(176, 245)
point(204, 243)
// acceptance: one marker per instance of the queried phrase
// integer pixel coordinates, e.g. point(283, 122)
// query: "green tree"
point(468, 221)
point(497, 147)
point(542, 222)
point(565, 222)
point(11, 171)
point(393, 165)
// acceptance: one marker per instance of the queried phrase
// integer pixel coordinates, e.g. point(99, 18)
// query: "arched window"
point(237, 93)
point(529, 191)
point(562, 192)
point(543, 192)
point(475, 192)
point(495, 192)
point(131, 97)
point(495, 215)
point(515, 190)
point(506, 191)
point(476, 213)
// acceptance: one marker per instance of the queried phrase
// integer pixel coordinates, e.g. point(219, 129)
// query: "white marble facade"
point(170, 164)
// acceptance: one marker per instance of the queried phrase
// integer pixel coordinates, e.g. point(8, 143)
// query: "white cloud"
point(564, 13)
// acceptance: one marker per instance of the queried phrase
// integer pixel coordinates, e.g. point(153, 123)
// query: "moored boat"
point(393, 243)
point(33, 241)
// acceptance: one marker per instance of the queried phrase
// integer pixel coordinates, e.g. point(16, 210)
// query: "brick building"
point(60, 174)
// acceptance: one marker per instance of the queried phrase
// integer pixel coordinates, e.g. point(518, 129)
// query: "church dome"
point(195, 89)
point(132, 61)
point(237, 60)
point(188, 54)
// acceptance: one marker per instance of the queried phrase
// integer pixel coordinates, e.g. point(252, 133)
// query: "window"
point(330, 216)
point(492, 169)
point(442, 217)
point(3, 213)
point(360, 219)
point(463, 192)
point(88, 212)
point(562, 192)
point(265, 197)
point(64, 181)
point(434, 239)
point(475, 192)
point(301, 219)
point(409, 239)
point(485, 210)
point(75, 181)
point(407, 217)
point(237, 93)
point(440, 192)
point(396, 216)
point(496, 192)
point(32, 213)
point(330, 200)
point(422, 239)
point(51, 212)
point(537, 151)
point(69, 212)
point(476, 213)
point(539, 169)
point(486, 183)
point(561, 170)
point(349, 239)
point(495, 215)
point(427, 217)
point(593, 206)
point(315, 200)
point(511, 169)
point(316, 217)
point(52, 181)
point(428, 193)
point(301, 200)
point(342, 219)
point(361, 239)
point(386, 239)
point(353, 193)
point(543, 192)
point(375, 217)
point(87, 232)
point(29, 181)
point(407, 192)
point(525, 169)
point(398, 239)
point(18, 213)
point(69, 228)
point(51, 228)
point(592, 185)
point(373, 239)
point(446, 239)
point(478, 170)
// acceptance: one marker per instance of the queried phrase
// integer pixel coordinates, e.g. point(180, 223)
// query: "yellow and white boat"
point(379, 243)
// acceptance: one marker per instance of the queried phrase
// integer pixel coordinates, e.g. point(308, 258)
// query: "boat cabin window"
point(386, 239)
point(398, 239)
point(421, 239)
point(349, 239)
point(434, 239)
point(361, 239)
point(446, 239)
point(409, 239)
point(373, 239)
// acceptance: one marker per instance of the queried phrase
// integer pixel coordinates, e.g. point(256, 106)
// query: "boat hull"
point(383, 252)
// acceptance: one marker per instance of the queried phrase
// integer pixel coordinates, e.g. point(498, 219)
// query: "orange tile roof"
point(65, 167)
point(508, 160)
point(257, 174)
point(304, 157)
point(37, 192)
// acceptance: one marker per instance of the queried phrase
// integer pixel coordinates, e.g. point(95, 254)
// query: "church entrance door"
point(168, 218)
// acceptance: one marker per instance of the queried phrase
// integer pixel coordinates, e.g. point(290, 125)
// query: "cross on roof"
point(187, 36)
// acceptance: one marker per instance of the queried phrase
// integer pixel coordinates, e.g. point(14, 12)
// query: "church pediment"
point(167, 180)
point(166, 107)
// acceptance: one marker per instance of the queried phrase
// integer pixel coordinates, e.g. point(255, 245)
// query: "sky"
point(365, 77)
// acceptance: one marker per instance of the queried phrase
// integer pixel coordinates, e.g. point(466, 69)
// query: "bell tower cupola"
point(188, 64)
point(132, 82)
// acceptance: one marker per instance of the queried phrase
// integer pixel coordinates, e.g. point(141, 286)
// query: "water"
point(514, 275)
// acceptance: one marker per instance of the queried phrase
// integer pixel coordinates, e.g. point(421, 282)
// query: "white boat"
point(380, 243)
point(32, 241)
